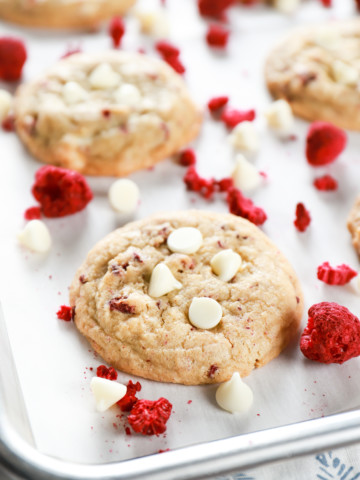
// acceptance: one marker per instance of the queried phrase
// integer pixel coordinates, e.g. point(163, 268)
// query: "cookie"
point(61, 13)
point(108, 113)
point(316, 69)
point(353, 224)
point(255, 307)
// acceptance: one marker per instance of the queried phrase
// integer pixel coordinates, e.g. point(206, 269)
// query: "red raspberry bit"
point(187, 158)
point(119, 304)
point(212, 370)
point(357, 2)
point(175, 63)
point(103, 371)
point(339, 275)
point(8, 124)
point(65, 313)
point(232, 117)
point(225, 184)
point(12, 58)
point(71, 51)
point(214, 8)
point(332, 334)
point(326, 3)
point(324, 143)
point(326, 183)
point(217, 36)
point(116, 30)
point(129, 400)
point(32, 213)
point(149, 417)
point(195, 183)
point(244, 207)
point(217, 103)
point(167, 49)
point(302, 217)
point(60, 191)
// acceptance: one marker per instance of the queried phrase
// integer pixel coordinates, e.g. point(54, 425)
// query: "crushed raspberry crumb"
point(232, 117)
point(326, 3)
point(214, 8)
point(103, 371)
point(332, 334)
point(212, 370)
point(166, 450)
point(225, 184)
point(149, 417)
point(216, 103)
point(339, 275)
point(324, 143)
point(60, 192)
point(32, 213)
point(187, 157)
point(65, 313)
point(129, 400)
point(8, 124)
point(175, 63)
point(119, 304)
point(170, 54)
point(302, 217)
point(116, 30)
point(71, 51)
point(244, 207)
point(195, 183)
point(12, 58)
point(127, 431)
point(326, 183)
point(217, 36)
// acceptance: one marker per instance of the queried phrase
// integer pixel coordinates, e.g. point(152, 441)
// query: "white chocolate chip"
point(245, 175)
point(35, 236)
point(279, 116)
point(162, 281)
point(286, 6)
point(73, 93)
point(344, 73)
point(245, 137)
point(225, 264)
point(106, 392)
point(154, 23)
point(327, 37)
point(234, 395)
point(5, 104)
point(128, 94)
point(205, 312)
point(185, 240)
point(124, 195)
point(103, 77)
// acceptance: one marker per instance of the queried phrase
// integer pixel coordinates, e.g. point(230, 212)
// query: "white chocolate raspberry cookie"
point(61, 13)
point(177, 317)
point(317, 70)
point(106, 114)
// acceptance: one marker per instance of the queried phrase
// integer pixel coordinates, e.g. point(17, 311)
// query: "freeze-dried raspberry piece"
point(302, 217)
point(175, 63)
point(129, 400)
point(149, 417)
point(12, 58)
point(324, 143)
point(103, 371)
point(244, 207)
point(116, 30)
point(195, 183)
point(217, 103)
point(339, 275)
point(187, 157)
point(326, 183)
point(225, 184)
point(217, 36)
point(8, 124)
point(32, 213)
point(326, 3)
point(60, 191)
point(121, 305)
point(214, 8)
point(65, 313)
point(167, 49)
point(332, 334)
point(232, 117)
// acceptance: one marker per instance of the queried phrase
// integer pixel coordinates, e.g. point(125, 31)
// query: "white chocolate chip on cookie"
point(162, 281)
point(279, 116)
point(124, 195)
point(225, 264)
point(245, 137)
point(245, 175)
point(234, 395)
point(35, 236)
point(103, 77)
point(205, 312)
point(106, 392)
point(344, 73)
point(73, 93)
point(128, 94)
point(185, 240)
point(5, 104)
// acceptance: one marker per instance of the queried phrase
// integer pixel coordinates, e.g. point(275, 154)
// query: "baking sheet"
point(54, 361)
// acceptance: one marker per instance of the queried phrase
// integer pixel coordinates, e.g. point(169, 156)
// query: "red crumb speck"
point(232, 117)
point(149, 417)
point(60, 191)
point(12, 58)
point(8, 124)
point(116, 30)
point(357, 4)
point(175, 63)
point(332, 334)
point(171, 54)
point(326, 183)
point(326, 3)
point(225, 184)
point(166, 450)
point(324, 143)
point(103, 371)
point(32, 213)
point(195, 183)
point(65, 313)
point(216, 103)
point(119, 304)
point(217, 36)
point(187, 157)
point(214, 8)
point(127, 431)
point(212, 370)
point(339, 275)
point(129, 399)
point(189, 402)
point(71, 51)
point(244, 207)
point(302, 217)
